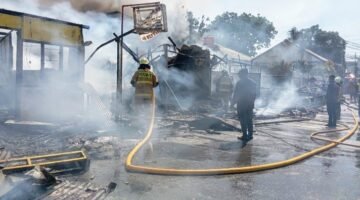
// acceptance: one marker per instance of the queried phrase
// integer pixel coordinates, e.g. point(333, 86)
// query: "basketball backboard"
point(150, 19)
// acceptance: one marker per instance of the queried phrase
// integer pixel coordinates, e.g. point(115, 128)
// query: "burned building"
point(292, 76)
point(288, 61)
point(42, 66)
point(194, 61)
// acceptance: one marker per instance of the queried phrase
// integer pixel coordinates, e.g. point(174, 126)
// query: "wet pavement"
point(334, 174)
point(330, 175)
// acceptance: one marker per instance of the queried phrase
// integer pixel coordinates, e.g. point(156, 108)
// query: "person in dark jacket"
point(332, 99)
point(244, 98)
point(358, 99)
point(339, 82)
point(353, 90)
point(359, 105)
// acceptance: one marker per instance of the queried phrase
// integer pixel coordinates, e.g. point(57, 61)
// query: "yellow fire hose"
point(315, 136)
point(219, 171)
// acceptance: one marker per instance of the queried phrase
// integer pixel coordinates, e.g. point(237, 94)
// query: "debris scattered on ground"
point(75, 190)
point(4, 154)
point(39, 184)
point(103, 147)
point(40, 175)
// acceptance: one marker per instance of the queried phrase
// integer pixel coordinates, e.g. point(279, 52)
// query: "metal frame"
point(162, 8)
point(3, 36)
point(30, 160)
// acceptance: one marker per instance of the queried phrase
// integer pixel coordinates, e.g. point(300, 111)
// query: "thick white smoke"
point(100, 72)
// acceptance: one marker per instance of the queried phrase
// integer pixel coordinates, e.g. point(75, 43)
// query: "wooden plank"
point(10, 21)
point(42, 30)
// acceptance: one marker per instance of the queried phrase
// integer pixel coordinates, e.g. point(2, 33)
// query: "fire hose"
point(315, 135)
point(233, 170)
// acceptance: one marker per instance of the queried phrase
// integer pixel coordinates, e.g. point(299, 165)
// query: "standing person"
point(144, 81)
point(356, 86)
point(353, 90)
point(332, 99)
point(358, 99)
point(358, 96)
point(224, 89)
point(339, 83)
point(244, 98)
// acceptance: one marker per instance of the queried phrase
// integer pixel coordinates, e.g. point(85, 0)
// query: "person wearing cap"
point(332, 100)
point(244, 98)
point(224, 89)
point(144, 81)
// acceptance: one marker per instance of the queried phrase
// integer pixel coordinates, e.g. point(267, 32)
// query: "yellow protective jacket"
point(144, 81)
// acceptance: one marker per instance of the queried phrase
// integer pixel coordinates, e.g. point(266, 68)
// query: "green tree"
point(245, 33)
point(328, 44)
point(197, 27)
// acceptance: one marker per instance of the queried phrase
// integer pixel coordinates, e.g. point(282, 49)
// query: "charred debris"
point(190, 105)
point(29, 167)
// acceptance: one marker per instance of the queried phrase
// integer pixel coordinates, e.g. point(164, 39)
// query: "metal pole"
point(120, 57)
point(42, 60)
point(106, 43)
point(119, 66)
point(117, 80)
point(19, 74)
point(166, 100)
point(61, 58)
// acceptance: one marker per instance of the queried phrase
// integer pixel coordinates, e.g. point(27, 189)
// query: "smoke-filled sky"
point(331, 15)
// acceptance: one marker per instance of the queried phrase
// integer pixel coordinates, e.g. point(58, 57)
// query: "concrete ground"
point(330, 175)
point(333, 174)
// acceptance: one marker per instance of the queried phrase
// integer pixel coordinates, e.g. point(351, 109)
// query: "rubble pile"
point(75, 191)
point(306, 103)
point(293, 112)
point(312, 96)
point(208, 123)
point(103, 147)
point(39, 184)
point(195, 61)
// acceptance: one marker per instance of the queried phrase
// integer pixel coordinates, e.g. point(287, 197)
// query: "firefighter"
point(144, 81)
point(244, 98)
point(224, 89)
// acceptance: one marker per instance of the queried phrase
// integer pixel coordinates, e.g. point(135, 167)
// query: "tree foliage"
point(328, 44)
point(197, 27)
point(245, 33)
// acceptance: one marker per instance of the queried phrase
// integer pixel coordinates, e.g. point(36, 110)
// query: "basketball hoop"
point(150, 20)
